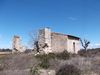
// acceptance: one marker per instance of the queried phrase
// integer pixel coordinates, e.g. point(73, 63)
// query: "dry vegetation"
point(87, 63)
point(5, 53)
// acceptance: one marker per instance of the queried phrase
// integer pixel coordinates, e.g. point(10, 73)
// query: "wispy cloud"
point(86, 35)
point(96, 45)
point(0, 36)
point(72, 18)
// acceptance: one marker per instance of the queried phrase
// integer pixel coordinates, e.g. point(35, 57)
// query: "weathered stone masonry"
point(58, 42)
point(17, 44)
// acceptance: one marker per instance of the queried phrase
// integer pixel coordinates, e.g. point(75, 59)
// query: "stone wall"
point(45, 40)
point(59, 42)
point(23, 48)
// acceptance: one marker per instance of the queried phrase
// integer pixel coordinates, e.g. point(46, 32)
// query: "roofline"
point(73, 36)
point(66, 35)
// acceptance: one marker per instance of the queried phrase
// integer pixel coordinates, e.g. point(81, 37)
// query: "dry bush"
point(19, 62)
point(89, 52)
point(68, 69)
point(86, 64)
point(54, 64)
point(11, 64)
point(82, 63)
point(82, 53)
point(96, 64)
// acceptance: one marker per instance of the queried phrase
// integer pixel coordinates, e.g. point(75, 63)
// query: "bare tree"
point(85, 44)
point(33, 42)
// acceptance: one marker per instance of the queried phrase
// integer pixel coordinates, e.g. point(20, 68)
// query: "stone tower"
point(45, 39)
point(16, 43)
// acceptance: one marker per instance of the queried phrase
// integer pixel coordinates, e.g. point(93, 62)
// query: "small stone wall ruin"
point(17, 45)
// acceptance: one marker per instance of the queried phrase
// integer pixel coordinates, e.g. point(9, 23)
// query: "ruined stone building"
point(57, 42)
point(17, 45)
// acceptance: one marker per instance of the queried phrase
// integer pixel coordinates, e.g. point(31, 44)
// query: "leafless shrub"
point(85, 44)
point(33, 42)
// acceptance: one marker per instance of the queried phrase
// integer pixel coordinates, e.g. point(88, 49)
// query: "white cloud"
point(0, 36)
point(72, 18)
point(95, 45)
point(86, 35)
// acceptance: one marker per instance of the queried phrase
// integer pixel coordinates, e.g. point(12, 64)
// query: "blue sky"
point(80, 18)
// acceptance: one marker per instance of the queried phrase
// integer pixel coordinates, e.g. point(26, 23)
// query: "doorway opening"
point(74, 47)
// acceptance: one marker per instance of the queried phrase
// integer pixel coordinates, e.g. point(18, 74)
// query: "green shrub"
point(33, 71)
point(68, 70)
point(63, 55)
point(45, 64)
point(45, 59)
point(1, 58)
point(52, 55)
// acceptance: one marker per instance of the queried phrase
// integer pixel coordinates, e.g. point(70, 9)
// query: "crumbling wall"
point(45, 40)
point(23, 48)
point(16, 47)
